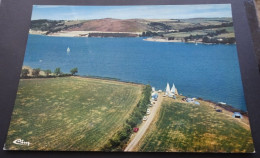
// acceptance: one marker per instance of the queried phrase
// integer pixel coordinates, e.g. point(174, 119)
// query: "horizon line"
point(137, 18)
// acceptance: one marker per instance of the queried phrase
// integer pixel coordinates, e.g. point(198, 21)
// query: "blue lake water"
point(207, 71)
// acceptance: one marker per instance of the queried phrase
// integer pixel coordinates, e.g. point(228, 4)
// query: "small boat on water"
point(68, 49)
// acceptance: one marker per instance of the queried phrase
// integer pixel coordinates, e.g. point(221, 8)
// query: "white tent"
point(173, 89)
point(167, 90)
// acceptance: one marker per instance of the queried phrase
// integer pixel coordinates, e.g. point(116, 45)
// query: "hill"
point(207, 30)
point(124, 25)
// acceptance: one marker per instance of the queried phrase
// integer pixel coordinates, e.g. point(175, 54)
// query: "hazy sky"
point(131, 12)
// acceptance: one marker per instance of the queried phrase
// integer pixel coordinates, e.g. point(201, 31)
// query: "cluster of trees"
point(193, 37)
point(159, 26)
point(217, 32)
point(51, 25)
point(45, 25)
point(207, 38)
point(117, 143)
point(149, 34)
point(188, 29)
point(62, 27)
point(171, 38)
point(57, 72)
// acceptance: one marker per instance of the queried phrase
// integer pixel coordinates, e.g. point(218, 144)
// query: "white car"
point(145, 118)
point(148, 113)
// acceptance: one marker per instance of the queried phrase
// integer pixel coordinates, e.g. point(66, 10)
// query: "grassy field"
point(70, 113)
point(230, 33)
point(184, 127)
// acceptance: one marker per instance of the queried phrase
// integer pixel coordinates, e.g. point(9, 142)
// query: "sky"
point(55, 12)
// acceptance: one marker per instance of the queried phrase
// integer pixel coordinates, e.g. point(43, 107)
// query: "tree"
point(47, 72)
point(114, 142)
point(170, 38)
point(74, 71)
point(24, 73)
point(57, 71)
point(205, 39)
point(36, 72)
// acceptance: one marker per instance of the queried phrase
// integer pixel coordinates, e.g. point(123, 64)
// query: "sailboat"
point(196, 42)
point(68, 49)
point(168, 90)
point(173, 89)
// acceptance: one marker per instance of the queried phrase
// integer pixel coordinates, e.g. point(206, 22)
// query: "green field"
point(185, 127)
point(70, 113)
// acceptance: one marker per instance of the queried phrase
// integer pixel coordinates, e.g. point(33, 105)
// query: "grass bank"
point(70, 113)
point(185, 127)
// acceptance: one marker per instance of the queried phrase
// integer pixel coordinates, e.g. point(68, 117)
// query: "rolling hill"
point(207, 30)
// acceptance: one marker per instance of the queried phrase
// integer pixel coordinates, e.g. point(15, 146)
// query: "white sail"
point(68, 49)
point(173, 88)
point(168, 91)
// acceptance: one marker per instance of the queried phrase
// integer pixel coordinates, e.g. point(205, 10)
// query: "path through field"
point(143, 128)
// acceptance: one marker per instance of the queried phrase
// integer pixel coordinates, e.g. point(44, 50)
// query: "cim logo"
point(21, 142)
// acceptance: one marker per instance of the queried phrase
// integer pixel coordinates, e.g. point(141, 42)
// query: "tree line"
point(48, 73)
point(206, 27)
point(119, 140)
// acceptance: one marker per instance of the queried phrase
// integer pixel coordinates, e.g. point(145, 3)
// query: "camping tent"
point(154, 95)
point(173, 88)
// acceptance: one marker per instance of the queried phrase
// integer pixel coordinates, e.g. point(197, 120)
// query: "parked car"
point(135, 129)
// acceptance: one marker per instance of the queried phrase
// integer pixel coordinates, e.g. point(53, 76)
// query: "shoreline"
point(85, 34)
point(162, 40)
point(228, 108)
point(229, 113)
point(43, 76)
point(150, 39)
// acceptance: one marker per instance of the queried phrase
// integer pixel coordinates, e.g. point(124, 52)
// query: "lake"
point(207, 71)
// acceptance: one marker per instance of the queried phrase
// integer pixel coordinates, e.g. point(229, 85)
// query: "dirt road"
point(145, 125)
